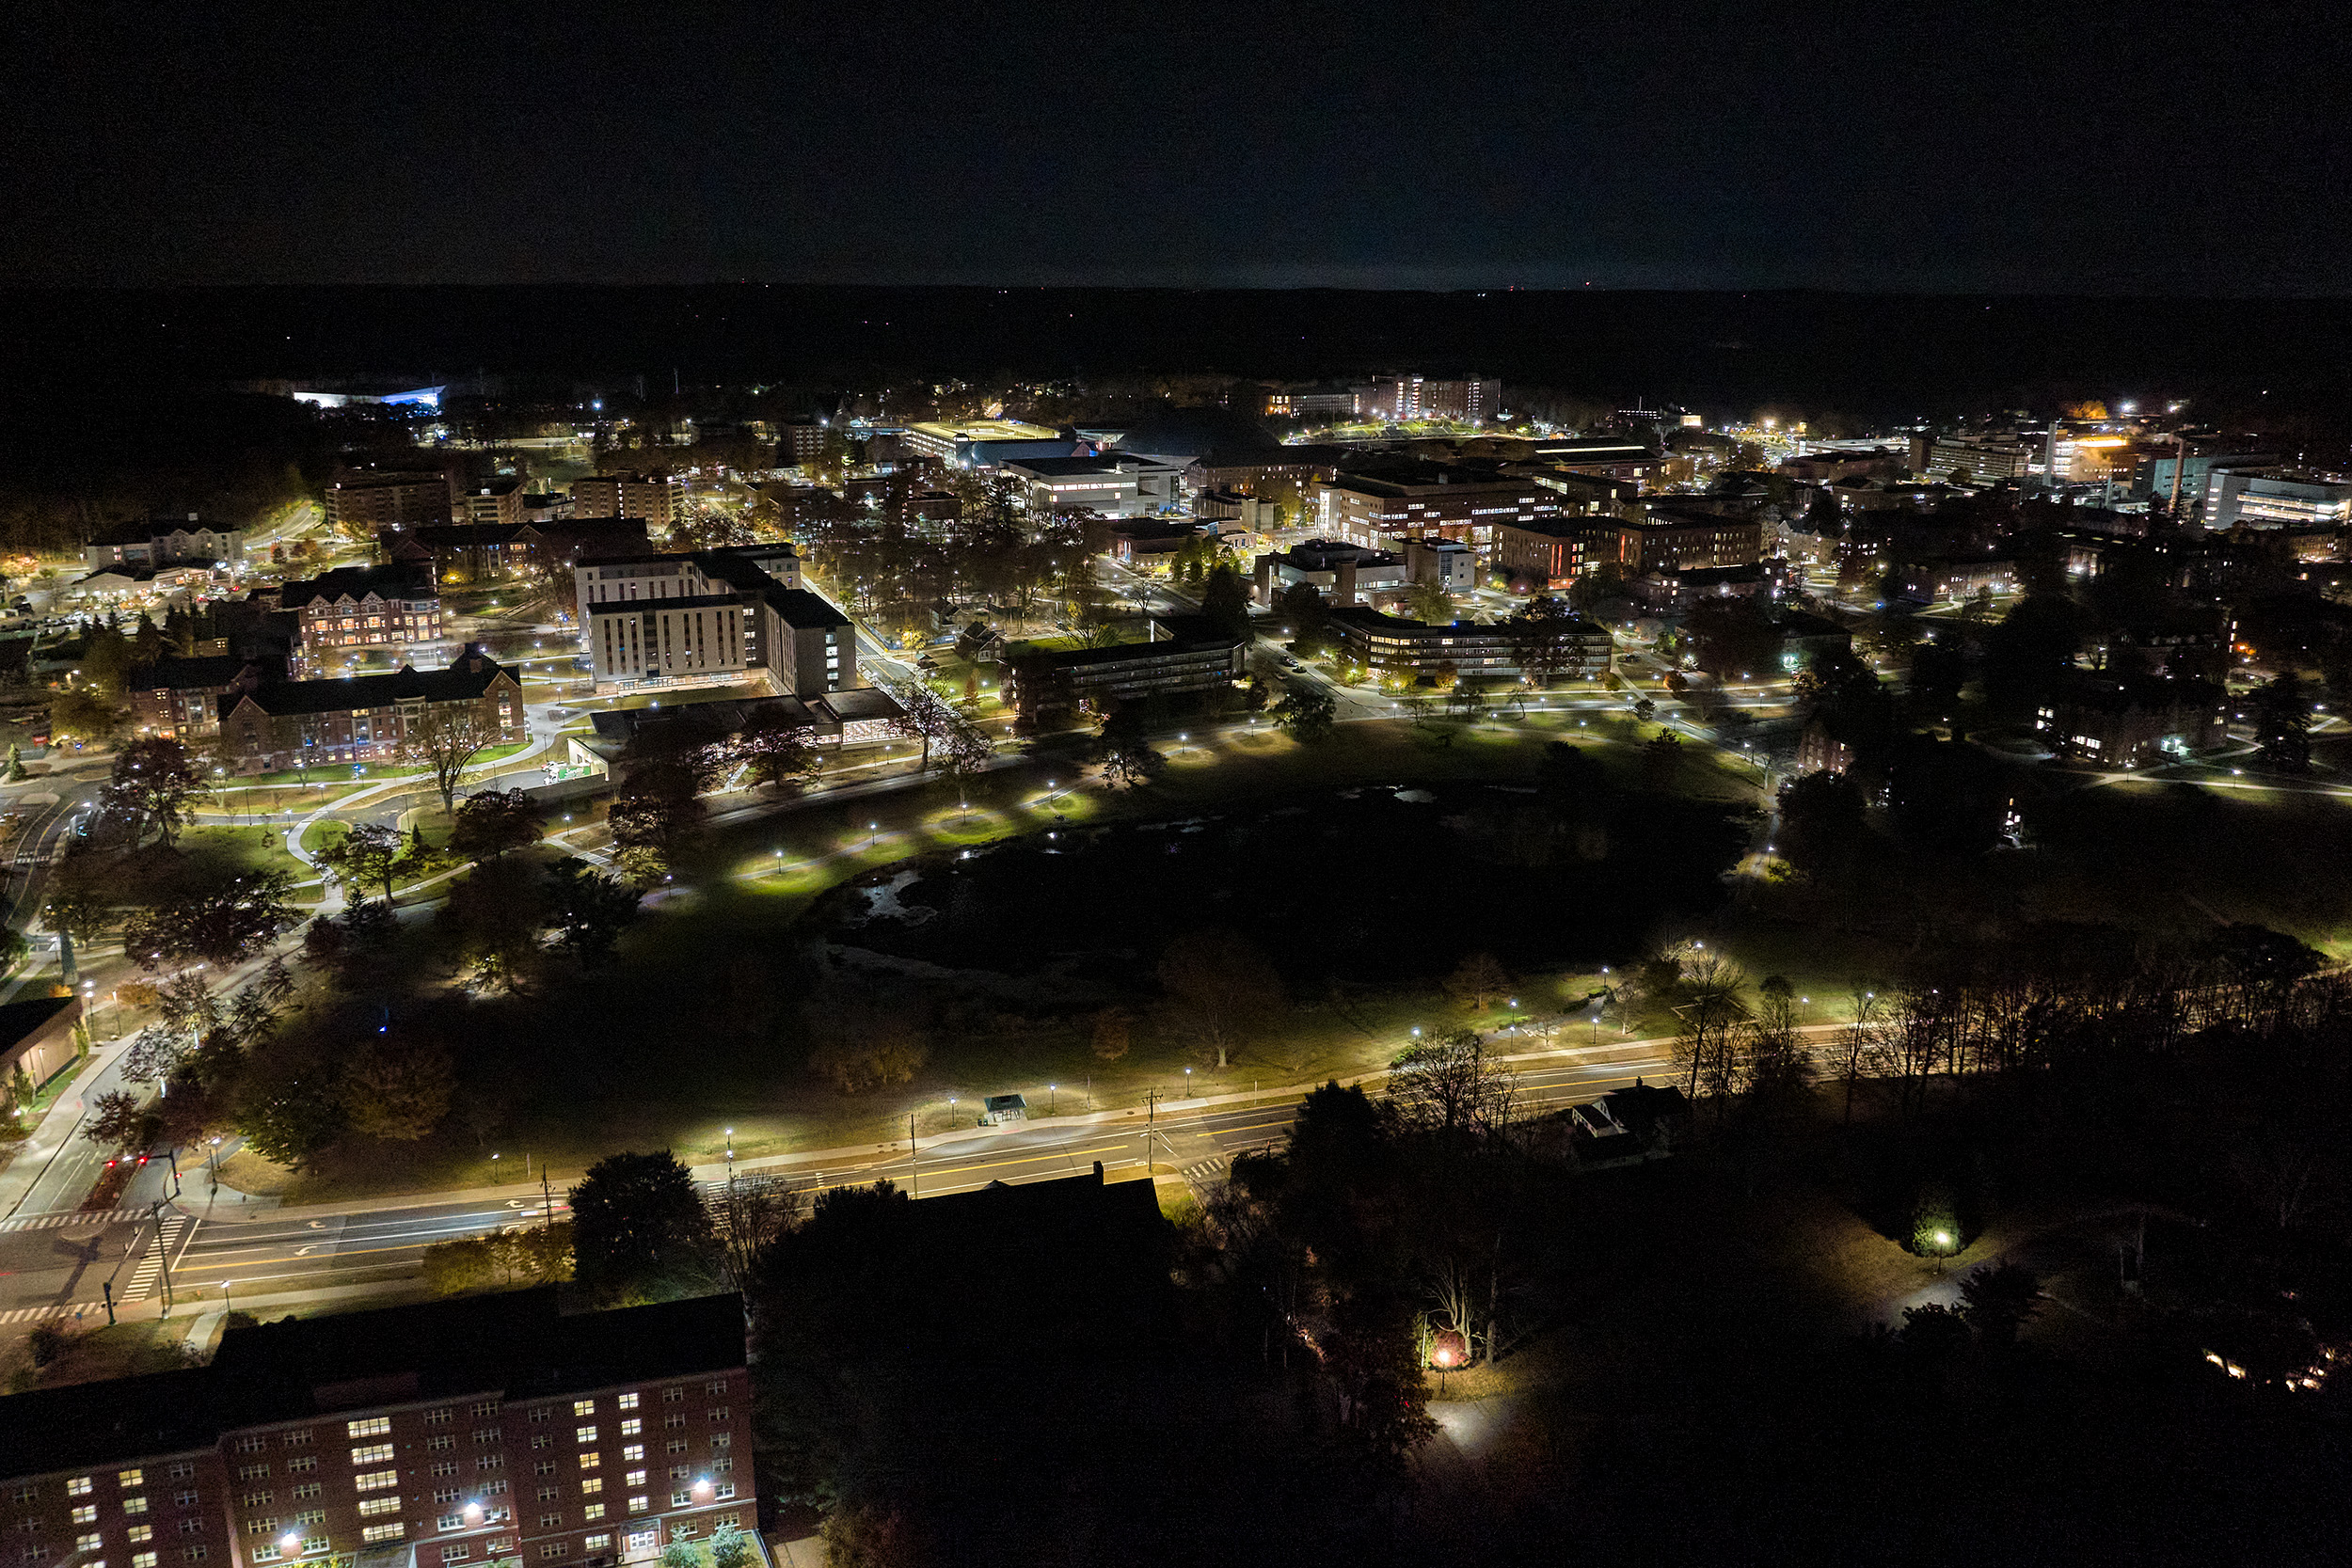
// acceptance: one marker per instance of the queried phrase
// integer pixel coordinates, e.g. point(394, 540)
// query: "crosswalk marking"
point(73, 1217)
point(38, 1314)
point(1205, 1172)
point(143, 1277)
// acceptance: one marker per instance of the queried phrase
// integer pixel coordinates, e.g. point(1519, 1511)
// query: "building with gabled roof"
point(382, 607)
point(360, 719)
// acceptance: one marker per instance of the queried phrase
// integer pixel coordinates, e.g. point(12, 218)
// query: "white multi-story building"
point(2276, 498)
point(713, 615)
point(1114, 487)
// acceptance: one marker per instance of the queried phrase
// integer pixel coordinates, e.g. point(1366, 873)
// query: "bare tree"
point(1477, 980)
point(747, 1213)
point(1224, 985)
point(924, 716)
point(1451, 1085)
point(1862, 1050)
point(1711, 1012)
point(445, 739)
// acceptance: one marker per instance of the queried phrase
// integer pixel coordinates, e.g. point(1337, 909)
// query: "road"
point(52, 1263)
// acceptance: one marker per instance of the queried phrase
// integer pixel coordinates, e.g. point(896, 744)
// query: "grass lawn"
point(244, 849)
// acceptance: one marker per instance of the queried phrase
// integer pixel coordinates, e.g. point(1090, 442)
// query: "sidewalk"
point(860, 1155)
point(56, 1131)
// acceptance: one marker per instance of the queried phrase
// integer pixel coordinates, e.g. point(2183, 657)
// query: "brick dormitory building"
point(492, 1429)
point(275, 724)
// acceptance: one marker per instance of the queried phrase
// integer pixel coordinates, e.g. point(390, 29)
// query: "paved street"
point(223, 1250)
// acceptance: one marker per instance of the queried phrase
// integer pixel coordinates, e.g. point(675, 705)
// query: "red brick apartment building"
point(493, 1429)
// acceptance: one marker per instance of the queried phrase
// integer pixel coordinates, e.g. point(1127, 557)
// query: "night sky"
point(2154, 149)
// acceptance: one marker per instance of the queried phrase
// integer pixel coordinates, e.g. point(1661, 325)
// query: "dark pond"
point(1366, 885)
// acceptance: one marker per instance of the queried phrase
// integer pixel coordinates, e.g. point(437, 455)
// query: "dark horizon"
point(1868, 356)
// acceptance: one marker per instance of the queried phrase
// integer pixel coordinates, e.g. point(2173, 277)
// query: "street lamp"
point(1052, 1102)
point(872, 829)
point(730, 1146)
point(1187, 1083)
point(952, 1110)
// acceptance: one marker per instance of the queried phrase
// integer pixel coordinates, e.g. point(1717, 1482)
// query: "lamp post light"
point(1187, 1083)
point(730, 1148)
point(1052, 1098)
point(872, 831)
point(951, 1111)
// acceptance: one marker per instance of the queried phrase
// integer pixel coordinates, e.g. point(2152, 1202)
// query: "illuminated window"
point(590, 1461)
point(375, 1453)
point(77, 1487)
point(375, 1481)
point(376, 1507)
point(132, 1477)
point(639, 1505)
point(374, 1533)
point(583, 1434)
point(626, 1402)
point(134, 1505)
point(375, 1426)
point(594, 1511)
point(86, 1514)
point(583, 1407)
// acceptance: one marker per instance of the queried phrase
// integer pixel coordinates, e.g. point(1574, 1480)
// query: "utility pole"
point(915, 1170)
point(108, 1286)
point(163, 1254)
point(1150, 1117)
point(547, 1199)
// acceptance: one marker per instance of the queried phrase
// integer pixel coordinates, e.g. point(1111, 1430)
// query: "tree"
point(1477, 980)
point(221, 922)
point(368, 855)
point(1306, 713)
point(398, 1089)
point(1999, 1299)
point(588, 910)
point(748, 1213)
point(496, 917)
point(81, 904)
point(637, 1218)
point(1223, 985)
point(1448, 1085)
point(490, 822)
point(1662, 759)
point(730, 1549)
point(681, 1554)
point(2282, 723)
point(106, 659)
point(1821, 823)
point(118, 1121)
point(1123, 751)
point(776, 751)
point(1308, 618)
point(1710, 1011)
point(923, 714)
point(1225, 601)
point(1431, 604)
point(445, 739)
point(1113, 1033)
point(16, 763)
point(80, 714)
point(1543, 633)
point(153, 783)
point(965, 754)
